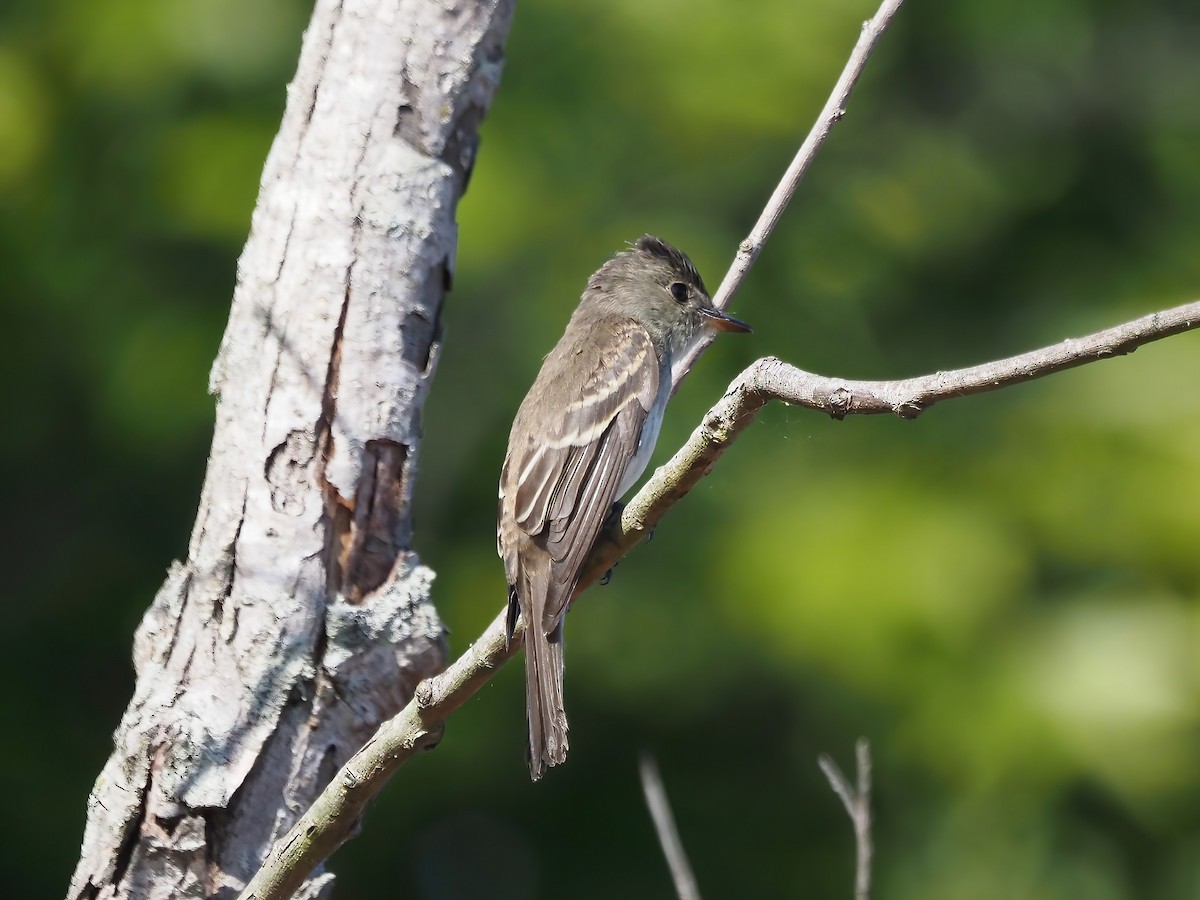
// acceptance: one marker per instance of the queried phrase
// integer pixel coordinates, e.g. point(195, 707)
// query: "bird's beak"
point(720, 322)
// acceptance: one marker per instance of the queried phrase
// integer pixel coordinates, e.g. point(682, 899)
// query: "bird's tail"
point(544, 698)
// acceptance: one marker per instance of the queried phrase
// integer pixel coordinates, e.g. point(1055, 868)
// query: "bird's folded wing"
point(567, 477)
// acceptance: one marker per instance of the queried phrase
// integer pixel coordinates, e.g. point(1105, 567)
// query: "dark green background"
point(1004, 596)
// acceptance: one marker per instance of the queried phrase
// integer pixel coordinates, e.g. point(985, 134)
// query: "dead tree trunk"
point(301, 617)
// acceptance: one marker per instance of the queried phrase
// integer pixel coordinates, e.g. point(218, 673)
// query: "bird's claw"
point(614, 516)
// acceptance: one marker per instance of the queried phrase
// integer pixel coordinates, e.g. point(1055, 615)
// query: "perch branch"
point(664, 826)
point(418, 726)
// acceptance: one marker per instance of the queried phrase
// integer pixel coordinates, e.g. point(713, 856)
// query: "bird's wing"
point(559, 486)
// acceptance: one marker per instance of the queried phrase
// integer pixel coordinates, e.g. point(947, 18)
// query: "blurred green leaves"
point(23, 114)
point(208, 177)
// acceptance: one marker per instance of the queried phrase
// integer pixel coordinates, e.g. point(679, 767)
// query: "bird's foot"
point(510, 617)
point(614, 517)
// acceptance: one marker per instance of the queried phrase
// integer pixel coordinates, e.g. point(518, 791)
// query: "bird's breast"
point(649, 435)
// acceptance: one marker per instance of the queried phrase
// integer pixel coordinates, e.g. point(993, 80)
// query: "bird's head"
point(656, 285)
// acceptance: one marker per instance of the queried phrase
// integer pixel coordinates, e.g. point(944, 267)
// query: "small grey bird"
point(582, 437)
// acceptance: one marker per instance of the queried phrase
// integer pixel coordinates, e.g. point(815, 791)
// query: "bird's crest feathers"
point(667, 264)
point(675, 258)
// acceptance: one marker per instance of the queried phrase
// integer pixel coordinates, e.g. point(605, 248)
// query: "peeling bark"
point(301, 617)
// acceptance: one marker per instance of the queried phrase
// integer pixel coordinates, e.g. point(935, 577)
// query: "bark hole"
point(370, 534)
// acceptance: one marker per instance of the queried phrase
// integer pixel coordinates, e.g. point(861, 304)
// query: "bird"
point(581, 438)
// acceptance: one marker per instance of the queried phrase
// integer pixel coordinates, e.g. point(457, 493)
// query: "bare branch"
point(858, 807)
point(831, 114)
point(418, 726)
point(772, 379)
point(668, 834)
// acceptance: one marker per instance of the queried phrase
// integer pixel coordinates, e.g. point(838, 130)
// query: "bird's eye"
point(679, 291)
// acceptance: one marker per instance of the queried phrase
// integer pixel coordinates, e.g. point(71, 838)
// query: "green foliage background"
point(1004, 597)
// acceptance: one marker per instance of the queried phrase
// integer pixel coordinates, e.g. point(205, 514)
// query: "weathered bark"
point(301, 617)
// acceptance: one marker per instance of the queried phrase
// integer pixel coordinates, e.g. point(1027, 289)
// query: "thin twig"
point(668, 834)
point(831, 114)
point(857, 802)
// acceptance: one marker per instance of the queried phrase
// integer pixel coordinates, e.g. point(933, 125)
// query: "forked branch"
point(856, 798)
point(418, 726)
